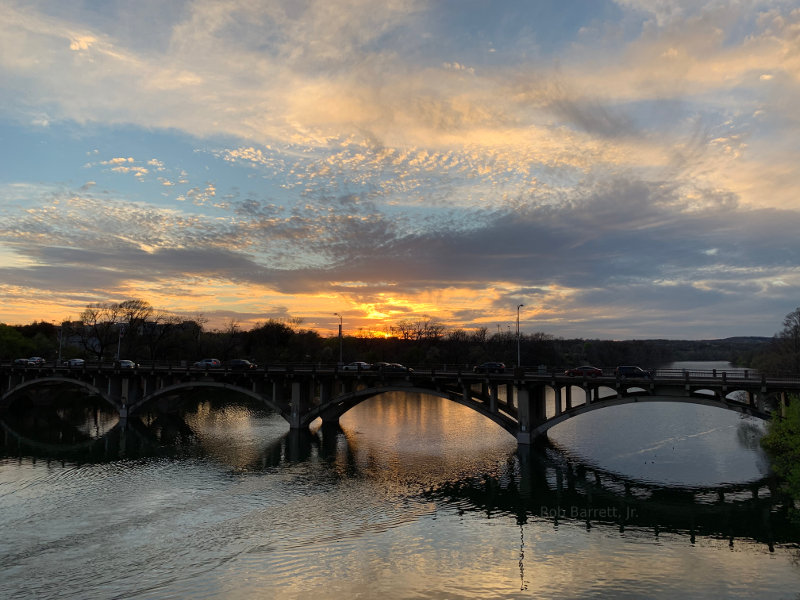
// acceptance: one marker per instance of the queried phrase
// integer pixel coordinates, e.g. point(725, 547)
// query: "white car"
point(74, 362)
point(357, 366)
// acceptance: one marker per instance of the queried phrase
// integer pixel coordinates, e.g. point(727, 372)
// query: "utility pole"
point(121, 327)
point(340, 337)
point(518, 354)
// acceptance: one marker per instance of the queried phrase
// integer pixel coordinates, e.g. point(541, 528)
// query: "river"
point(412, 497)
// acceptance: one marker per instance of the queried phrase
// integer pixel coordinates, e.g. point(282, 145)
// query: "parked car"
point(386, 367)
point(631, 371)
point(489, 367)
point(240, 364)
point(357, 366)
point(74, 362)
point(208, 363)
point(584, 371)
point(127, 364)
point(35, 361)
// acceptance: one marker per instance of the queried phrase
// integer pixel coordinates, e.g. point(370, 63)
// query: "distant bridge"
point(516, 401)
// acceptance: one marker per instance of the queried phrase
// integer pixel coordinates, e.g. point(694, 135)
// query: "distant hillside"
point(734, 349)
point(651, 353)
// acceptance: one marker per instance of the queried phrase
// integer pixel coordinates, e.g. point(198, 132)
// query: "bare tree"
point(404, 329)
point(158, 330)
point(479, 335)
point(134, 314)
point(790, 340)
point(229, 339)
point(99, 330)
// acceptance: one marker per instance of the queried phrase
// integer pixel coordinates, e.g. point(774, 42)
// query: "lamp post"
point(121, 327)
point(60, 340)
point(340, 337)
point(518, 355)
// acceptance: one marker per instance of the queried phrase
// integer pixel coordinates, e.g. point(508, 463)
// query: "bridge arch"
point(189, 385)
point(331, 411)
point(51, 381)
point(724, 404)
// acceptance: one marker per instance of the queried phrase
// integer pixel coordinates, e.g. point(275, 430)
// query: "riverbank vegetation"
point(782, 440)
point(782, 354)
point(782, 444)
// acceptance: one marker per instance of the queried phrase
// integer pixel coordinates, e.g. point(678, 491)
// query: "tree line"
point(135, 330)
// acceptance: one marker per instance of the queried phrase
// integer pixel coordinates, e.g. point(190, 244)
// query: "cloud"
point(615, 250)
point(403, 157)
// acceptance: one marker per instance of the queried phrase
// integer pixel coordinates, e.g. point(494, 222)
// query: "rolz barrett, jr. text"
point(587, 512)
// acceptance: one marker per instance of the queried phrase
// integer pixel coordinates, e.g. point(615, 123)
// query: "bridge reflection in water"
point(548, 486)
point(537, 482)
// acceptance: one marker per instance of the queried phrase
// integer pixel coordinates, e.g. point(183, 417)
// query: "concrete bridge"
point(516, 401)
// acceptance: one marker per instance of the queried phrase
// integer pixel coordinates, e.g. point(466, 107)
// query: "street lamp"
point(340, 337)
point(60, 341)
point(518, 356)
point(121, 327)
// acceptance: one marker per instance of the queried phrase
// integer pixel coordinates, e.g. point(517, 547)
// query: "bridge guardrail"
point(733, 374)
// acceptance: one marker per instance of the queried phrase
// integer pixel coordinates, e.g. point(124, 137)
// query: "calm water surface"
point(413, 497)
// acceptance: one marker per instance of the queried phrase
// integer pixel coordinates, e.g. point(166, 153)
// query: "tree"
point(268, 342)
point(13, 343)
point(133, 315)
point(404, 329)
point(782, 443)
point(157, 333)
point(100, 330)
point(791, 339)
point(783, 354)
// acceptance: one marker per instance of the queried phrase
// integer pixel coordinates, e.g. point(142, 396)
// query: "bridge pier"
point(123, 391)
point(325, 391)
point(493, 397)
point(466, 393)
point(532, 411)
point(524, 434)
point(298, 404)
point(510, 394)
point(277, 392)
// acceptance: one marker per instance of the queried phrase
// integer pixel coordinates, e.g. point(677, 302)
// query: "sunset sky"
point(624, 169)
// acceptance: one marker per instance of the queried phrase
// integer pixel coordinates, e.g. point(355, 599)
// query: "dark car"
point(631, 371)
point(240, 364)
point(489, 367)
point(584, 371)
point(21, 361)
point(208, 363)
point(35, 361)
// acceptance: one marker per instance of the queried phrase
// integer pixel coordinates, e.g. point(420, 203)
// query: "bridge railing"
point(708, 373)
point(732, 374)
